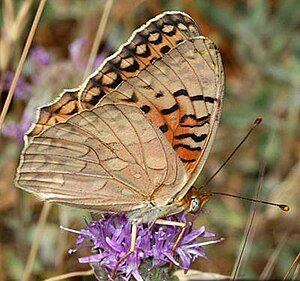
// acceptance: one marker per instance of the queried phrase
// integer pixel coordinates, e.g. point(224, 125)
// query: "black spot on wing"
point(145, 108)
point(186, 161)
point(194, 125)
point(115, 82)
point(193, 117)
point(176, 146)
point(196, 98)
point(147, 86)
point(159, 95)
point(164, 128)
point(156, 35)
point(201, 98)
point(210, 99)
point(181, 92)
point(194, 137)
point(170, 110)
point(169, 28)
point(165, 49)
point(146, 53)
point(132, 68)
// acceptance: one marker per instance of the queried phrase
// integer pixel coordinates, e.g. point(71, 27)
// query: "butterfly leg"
point(131, 250)
point(175, 223)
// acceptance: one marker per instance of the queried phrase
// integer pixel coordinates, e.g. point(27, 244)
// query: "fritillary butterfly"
point(135, 135)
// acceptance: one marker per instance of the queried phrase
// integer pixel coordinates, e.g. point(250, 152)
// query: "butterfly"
point(135, 135)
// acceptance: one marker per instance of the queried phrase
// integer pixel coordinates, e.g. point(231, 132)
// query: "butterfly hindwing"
point(66, 106)
point(109, 150)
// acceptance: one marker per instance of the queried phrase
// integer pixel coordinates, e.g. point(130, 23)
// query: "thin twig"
point(36, 241)
point(98, 38)
point(22, 61)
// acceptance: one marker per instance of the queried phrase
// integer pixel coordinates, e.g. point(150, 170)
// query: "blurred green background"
point(260, 46)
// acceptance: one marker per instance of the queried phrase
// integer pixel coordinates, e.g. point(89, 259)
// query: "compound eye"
point(195, 205)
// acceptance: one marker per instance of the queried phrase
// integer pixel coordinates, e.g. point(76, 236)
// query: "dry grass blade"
point(249, 232)
point(21, 18)
point(36, 241)
point(296, 273)
point(196, 275)
point(71, 274)
point(272, 260)
point(98, 38)
point(13, 27)
point(8, 13)
point(22, 61)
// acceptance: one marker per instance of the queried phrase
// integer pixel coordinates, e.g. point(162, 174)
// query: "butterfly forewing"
point(180, 93)
point(110, 158)
point(146, 44)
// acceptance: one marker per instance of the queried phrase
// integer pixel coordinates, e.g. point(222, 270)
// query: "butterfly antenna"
point(283, 207)
point(255, 124)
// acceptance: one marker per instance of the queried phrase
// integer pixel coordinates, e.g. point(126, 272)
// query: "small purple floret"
point(22, 90)
point(111, 238)
point(76, 50)
point(17, 130)
point(40, 57)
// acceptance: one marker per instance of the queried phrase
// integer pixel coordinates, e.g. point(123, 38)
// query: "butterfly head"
point(195, 199)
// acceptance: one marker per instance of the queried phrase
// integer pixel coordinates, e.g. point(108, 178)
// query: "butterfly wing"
point(110, 158)
point(182, 94)
point(61, 109)
point(146, 44)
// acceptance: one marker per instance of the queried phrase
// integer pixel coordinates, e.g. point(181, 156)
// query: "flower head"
point(111, 238)
point(17, 130)
point(77, 50)
point(22, 90)
point(40, 57)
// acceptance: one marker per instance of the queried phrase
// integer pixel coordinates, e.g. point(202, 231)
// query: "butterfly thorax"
point(192, 202)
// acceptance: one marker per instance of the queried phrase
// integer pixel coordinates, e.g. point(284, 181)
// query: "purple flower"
point(22, 90)
point(78, 54)
point(75, 50)
point(40, 57)
point(17, 130)
point(110, 237)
